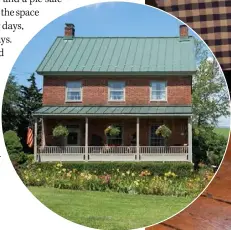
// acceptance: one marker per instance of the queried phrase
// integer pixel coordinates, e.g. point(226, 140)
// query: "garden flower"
point(133, 174)
point(128, 172)
point(69, 174)
point(117, 170)
point(64, 170)
point(123, 174)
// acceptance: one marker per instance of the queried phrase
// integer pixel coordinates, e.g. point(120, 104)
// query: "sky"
point(102, 19)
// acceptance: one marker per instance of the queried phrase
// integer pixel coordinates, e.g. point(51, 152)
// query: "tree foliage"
point(12, 142)
point(210, 95)
point(19, 102)
point(210, 101)
point(30, 100)
point(10, 105)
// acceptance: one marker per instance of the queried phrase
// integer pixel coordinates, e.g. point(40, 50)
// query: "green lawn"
point(104, 210)
point(223, 131)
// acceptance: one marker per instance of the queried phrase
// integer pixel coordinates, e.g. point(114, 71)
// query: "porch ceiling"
point(114, 111)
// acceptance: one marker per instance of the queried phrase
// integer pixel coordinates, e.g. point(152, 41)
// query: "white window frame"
point(166, 95)
point(109, 90)
point(77, 90)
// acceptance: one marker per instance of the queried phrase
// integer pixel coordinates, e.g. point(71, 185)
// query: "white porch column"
point(43, 134)
point(137, 138)
point(86, 139)
point(35, 138)
point(190, 139)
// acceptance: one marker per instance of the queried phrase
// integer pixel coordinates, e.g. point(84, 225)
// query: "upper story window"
point(116, 91)
point(158, 91)
point(74, 91)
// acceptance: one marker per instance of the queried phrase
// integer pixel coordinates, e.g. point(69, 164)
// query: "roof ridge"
point(124, 37)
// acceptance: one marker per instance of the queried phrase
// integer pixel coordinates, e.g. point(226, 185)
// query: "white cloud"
point(97, 5)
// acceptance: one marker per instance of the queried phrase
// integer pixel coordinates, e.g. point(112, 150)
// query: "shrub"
point(182, 169)
point(19, 158)
point(208, 146)
point(60, 131)
point(12, 142)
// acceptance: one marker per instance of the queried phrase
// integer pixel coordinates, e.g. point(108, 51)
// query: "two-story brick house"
point(135, 83)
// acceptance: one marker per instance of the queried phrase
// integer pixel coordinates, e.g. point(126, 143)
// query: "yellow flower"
point(59, 165)
point(69, 174)
point(117, 170)
point(64, 170)
point(133, 174)
point(38, 179)
point(128, 172)
point(123, 174)
point(26, 177)
point(39, 169)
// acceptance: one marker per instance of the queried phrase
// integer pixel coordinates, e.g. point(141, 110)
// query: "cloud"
point(98, 5)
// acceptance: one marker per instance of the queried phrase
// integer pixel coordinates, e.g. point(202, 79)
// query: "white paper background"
point(19, 209)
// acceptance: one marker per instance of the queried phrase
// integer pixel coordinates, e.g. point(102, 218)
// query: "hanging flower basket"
point(164, 131)
point(112, 131)
point(60, 132)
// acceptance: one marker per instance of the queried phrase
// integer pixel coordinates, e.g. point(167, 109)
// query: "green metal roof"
point(114, 110)
point(116, 55)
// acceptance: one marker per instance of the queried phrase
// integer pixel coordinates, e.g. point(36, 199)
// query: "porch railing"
point(51, 150)
point(163, 149)
point(112, 149)
point(113, 153)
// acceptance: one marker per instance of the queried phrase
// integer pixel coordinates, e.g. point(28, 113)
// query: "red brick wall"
point(137, 92)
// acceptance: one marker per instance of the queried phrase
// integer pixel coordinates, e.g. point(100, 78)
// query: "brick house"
point(133, 83)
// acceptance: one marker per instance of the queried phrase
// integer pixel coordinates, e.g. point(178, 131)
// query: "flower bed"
point(133, 182)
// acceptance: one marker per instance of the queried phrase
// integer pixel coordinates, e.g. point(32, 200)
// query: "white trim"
point(124, 89)
point(166, 91)
point(81, 92)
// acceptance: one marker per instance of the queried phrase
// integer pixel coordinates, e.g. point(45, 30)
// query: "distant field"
point(223, 131)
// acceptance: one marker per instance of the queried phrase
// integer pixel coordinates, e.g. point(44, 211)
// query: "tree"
point(210, 95)
point(10, 105)
point(210, 101)
point(31, 100)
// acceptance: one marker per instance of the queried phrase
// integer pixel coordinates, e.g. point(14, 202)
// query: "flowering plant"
point(112, 130)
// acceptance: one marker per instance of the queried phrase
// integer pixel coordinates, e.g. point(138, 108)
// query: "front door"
point(73, 137)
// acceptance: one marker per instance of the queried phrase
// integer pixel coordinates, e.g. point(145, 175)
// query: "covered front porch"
point(136, 141)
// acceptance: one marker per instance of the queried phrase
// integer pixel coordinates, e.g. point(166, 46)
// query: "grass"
point(223, 131)
point(109, 210)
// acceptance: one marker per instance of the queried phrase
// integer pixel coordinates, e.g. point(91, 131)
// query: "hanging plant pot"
point(165, 132)
point(112, 131)
point(60, 133)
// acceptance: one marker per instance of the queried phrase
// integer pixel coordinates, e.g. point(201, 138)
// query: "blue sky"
point(105, 19)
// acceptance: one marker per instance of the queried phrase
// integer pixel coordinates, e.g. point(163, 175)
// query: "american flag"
point(29, 140)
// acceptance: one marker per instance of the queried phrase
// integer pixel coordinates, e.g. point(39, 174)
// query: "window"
point(74, 135)
point(116, 91)
point(158, 91)
point(115, 140)
point(74, 91)
point(156, 140)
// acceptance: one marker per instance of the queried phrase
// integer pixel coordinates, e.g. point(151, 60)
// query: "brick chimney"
point(183, 31)
point(69, 30)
